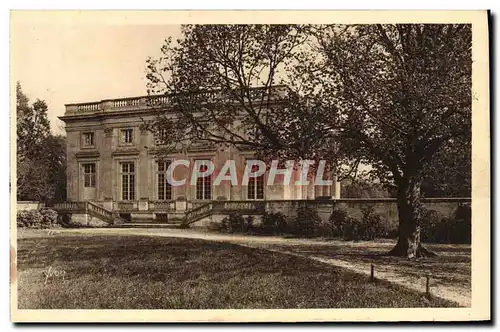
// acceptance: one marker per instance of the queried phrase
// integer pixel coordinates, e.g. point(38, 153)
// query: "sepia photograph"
point(222, 166)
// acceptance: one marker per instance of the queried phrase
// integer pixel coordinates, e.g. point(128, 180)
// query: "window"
point(164, 187)
point(204, 185)
point(128, 181)
point(89, 175)
point(127, 136)
point(256, 185)
point(161, 137)
point(88, 139)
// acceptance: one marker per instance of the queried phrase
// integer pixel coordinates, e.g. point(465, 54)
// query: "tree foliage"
point(41, 156)
point(222, 80)
point(395, 97)
point(449, 173)
point(363, 188)
point(403, 94)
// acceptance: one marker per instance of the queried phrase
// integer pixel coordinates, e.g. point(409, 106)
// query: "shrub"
point(273, 223)
point(307, 221)
point(282, 223)
point(351, 229)
point(369, 227)
point(462, 225)
point(43, 218)
point(49, 216)
point(215, 226)
point(236, 223)
point(439, 229)
point(64, 220)
point(248, 224)
point(27, 218)
point(432, 226)
point(224, 225)
point(338, 220)
point(184, 226)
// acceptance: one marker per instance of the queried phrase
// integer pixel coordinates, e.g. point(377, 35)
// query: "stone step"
point(155, 221)
point(147, 225)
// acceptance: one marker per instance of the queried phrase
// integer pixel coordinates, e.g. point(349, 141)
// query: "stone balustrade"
point(145, 102)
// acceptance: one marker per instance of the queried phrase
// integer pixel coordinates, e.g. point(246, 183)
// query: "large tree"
point(403, 93)
point(221, 82)
point(449, 173)
point(393, 96)
point(41, 160)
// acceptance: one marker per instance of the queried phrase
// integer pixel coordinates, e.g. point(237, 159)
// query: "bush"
point(338, 220)
point(28, 218)
point(273, 223)
point(224, 225)
point(307, 221)
point(43, 218)
point(432, 226)
point(462, 225)
point(439, 229)
point(351, 229)
point(236, 223)
point(369, 227)
point(184, 226)
point(49, 216)
point(215, 226)
point(248, 224)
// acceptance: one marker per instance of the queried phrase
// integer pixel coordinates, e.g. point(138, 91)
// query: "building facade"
point(114, 163)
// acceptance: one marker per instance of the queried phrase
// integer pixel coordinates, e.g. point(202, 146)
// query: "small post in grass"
point(427, 287)
point(372, 273)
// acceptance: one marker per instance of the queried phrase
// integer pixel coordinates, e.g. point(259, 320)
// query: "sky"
point(71, 63)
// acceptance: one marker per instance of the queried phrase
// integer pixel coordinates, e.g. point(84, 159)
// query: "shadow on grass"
point(135, 272)
point(452, 265)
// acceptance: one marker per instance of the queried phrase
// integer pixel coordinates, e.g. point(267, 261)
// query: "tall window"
point(164, 187)
point(256, 185)
point(127, 136)
point(128, 181)
point(89, 175)
point(204, 185)
point(88, 139)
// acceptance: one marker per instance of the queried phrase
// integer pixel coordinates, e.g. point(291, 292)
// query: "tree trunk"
point(410, 214)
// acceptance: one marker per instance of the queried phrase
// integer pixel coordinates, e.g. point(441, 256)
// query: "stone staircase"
point(182, 219)
point(89, 208)
point(223, 208)
point(148, 225)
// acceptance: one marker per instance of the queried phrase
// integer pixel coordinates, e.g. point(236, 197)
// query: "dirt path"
point(458, 293)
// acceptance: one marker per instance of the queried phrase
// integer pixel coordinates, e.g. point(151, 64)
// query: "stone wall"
point(29, 205)
point(385, 207)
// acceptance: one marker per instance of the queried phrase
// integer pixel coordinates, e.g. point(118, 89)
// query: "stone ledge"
point(128, 152)
point(87, 154)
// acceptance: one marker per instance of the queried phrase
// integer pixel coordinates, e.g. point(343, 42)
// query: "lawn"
point(81, 271)
point(452, 266)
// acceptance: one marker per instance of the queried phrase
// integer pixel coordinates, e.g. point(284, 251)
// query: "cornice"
point(88, 154)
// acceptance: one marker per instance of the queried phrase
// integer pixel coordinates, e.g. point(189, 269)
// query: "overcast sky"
point(82, 63)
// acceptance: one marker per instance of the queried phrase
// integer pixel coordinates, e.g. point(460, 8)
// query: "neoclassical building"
point(115, 165)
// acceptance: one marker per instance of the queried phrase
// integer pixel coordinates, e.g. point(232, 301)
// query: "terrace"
point(162, 101)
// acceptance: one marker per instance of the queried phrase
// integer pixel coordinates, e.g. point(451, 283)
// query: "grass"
point(451, 267)
point(67, 271)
